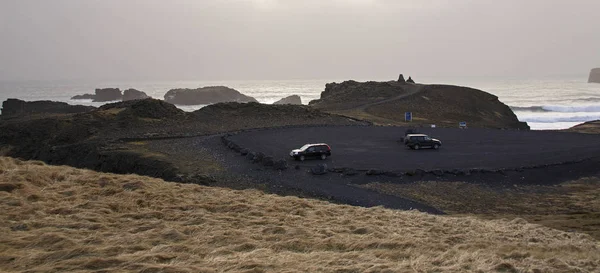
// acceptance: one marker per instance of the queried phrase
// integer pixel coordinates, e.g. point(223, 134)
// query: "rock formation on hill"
point(293, 99)
point(350, 94)
point(12, 107)
point(206, 95)
point(594, 75)
point(410, 80)
point(443, 105)
point(401, 79)
point(132, 94)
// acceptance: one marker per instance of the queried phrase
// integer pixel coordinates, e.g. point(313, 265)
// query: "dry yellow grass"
point(57, 219)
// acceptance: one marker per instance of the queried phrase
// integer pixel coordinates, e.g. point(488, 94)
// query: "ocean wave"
point(559, 108)
point(554, 119)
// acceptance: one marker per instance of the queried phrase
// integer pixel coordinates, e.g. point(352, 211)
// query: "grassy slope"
point(570, 206)
point(64, 219)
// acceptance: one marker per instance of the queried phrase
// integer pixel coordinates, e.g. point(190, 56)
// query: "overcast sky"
point(295, 39)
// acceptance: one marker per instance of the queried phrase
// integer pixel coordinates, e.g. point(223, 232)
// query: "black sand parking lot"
point(365, 148)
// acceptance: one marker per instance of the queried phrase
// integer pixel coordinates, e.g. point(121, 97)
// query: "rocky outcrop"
point(350, 94)
point(84, 97)
point(108, 94)
point(443, 105)
point(293, 99)
point(594, 76)
point(132, 94)
point(401, 79)
point(206, 95)
point(12, 107)
point(410, 80)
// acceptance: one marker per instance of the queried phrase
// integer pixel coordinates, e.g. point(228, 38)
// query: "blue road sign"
point(408, 116)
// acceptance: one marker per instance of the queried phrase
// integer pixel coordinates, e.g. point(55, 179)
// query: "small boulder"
point(244, 152)
point(438, 172)
point(250, 156)
point(132, 94)
point(320, 169)
point(108, 94)
point(293, 99)
point(280, 164)
point(258, 157)
point(268, 161)
point(375, 172)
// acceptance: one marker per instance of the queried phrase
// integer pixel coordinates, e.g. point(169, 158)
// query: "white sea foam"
point(572, 109)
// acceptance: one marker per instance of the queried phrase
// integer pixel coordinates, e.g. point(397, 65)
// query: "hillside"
point(66, 219)
point(590, 127)
point(444, 105)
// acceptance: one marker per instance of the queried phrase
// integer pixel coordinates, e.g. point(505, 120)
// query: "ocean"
point(545, 104)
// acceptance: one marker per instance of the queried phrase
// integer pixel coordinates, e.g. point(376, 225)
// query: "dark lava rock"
point(250, 156)
point(84, 97)
point(293, 99)
point(132, 94)
point(244, 152)
point(268, 161)
point(438, 172)
point(410, 80)
point(206, 95)
point(20, 227)
point(401, 79)
point(148, 108)
point(375, 172)
point(417, 172)
point(297, 167)
point(280, 164)
point(393, 174)
point(320, 169)
point(108, 94)
point(15, 107)
point(198, 180)
point(258, 157)
point(594, 76)
point(9, 187)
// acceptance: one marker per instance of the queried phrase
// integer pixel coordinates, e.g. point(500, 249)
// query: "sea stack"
point(401, 79)
point(293, 99)
point(595, 75)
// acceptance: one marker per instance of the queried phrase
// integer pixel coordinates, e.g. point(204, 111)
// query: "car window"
point(304, 147)
point(427, 138)
point(311, 149)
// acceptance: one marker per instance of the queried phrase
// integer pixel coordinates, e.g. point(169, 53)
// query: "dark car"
point(418, 141)
point(320, 150)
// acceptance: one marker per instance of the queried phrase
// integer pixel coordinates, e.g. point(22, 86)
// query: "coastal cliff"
point(594, 76)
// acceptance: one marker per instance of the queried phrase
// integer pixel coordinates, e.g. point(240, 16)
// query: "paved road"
point(378, 147)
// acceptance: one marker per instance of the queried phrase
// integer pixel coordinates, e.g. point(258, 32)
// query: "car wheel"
point(323, 156)
point(436, 146)
point(416, 147)
point(301, 158)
